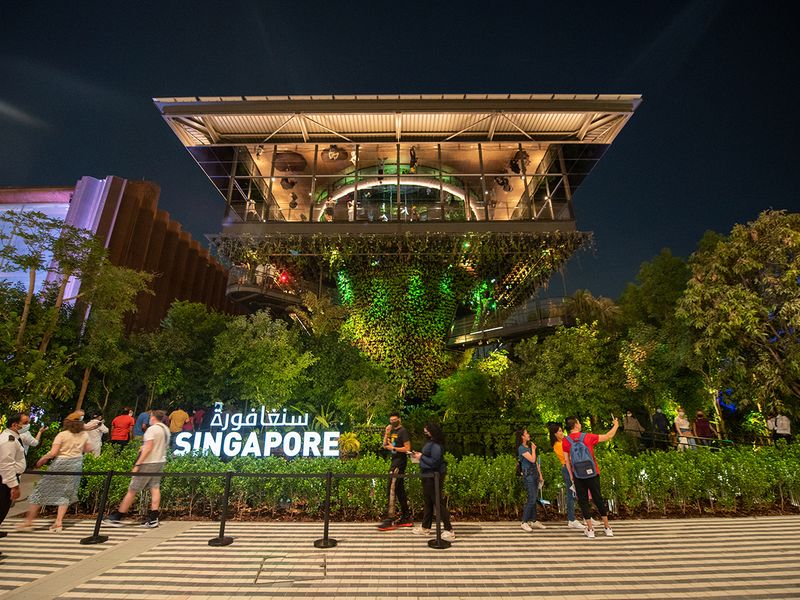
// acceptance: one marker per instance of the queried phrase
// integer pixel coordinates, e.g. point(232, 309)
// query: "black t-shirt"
point(397, 438)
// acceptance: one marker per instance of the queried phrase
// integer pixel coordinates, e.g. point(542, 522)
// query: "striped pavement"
point(691, 558)
point(29, 556)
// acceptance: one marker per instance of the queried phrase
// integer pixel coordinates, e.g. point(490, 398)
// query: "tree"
point(744, 301)
point(26, 243)
point(320, 315)
point(583, 307)
point(368, 394)
point(111, 295)
point(261, 357)
point(573, 371)
point(177, 361)
point(654, 297)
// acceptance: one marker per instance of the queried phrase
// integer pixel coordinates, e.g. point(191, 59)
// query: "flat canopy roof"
point(548, 118)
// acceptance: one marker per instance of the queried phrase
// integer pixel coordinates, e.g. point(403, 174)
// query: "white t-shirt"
point(159, 434)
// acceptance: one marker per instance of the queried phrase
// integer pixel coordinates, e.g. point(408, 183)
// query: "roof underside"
point(547, 118)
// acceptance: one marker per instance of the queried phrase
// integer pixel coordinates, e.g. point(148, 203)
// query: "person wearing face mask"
point(556, 439)
point(30, 441)
point(12, 463)
point(684, 430)
point(431, 460)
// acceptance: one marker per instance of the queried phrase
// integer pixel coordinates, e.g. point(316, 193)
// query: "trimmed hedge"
point(719, 482)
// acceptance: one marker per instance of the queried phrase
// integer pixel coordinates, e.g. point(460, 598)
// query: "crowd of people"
point(575, 450)
point(65, 455)
point(157, 430)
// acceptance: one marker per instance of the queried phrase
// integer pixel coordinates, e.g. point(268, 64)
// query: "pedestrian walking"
point(66, 452)
point(431, 460)
point(121, 428)
point(96, 430)
point(142, 421)
point(12, 463)
point(151, 459)
point(585, 472)
point(684, 431)
point(556, 439)
point(531, 476)
point(398, 442)
point(28, 440)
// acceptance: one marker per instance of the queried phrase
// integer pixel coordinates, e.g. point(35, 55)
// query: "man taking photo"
point(583, 470)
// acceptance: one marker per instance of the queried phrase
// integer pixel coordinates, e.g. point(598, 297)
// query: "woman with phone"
point(531, 475)
point(431, 460)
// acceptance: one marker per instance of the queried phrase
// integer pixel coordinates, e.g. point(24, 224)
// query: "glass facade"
point(400, 182)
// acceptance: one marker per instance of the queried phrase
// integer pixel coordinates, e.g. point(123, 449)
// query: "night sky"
point(709, 146)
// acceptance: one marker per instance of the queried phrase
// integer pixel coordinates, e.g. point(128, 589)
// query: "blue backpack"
point(583, 466)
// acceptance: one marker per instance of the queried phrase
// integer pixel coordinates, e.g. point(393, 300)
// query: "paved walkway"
point(693, 558)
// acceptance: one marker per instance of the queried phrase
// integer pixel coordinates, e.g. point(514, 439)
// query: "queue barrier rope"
point(221, 539)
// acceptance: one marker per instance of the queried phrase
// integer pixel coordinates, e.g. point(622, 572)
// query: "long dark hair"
point(518, 433)
point(436, 432)
point(553, 427)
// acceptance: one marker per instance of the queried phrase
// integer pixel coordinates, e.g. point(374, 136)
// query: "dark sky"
point(709, 146)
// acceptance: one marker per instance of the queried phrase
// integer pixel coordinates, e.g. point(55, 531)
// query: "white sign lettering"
point(227, 437)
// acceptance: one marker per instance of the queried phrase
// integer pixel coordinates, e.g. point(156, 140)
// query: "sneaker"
point(448, 535)
point(589, 533)
point(115, 519)
point(420, 530)
point(576, 524)
point(526, 526)
point(404, 522)
point(387, 525)
point(537, 525)
point(609, 533)
point(149, 524)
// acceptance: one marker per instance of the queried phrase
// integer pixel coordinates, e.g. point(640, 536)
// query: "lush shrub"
point(475, 486)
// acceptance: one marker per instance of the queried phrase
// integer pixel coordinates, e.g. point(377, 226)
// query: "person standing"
point(177, 419)
point(151, 459)
point(121, 428)
point(398, 442)
point(96, 430)
point(703, 430)
point(531, 476)
point(30, 441)
point(661, 429)
point(584, 471)
point(683, 428)
point(781, 428)
point(556, 437)
point(431, 460)
point(142, 421)
point(12, 463)
point(66, 452)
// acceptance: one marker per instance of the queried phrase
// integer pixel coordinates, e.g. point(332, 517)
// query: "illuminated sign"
point(232, 435)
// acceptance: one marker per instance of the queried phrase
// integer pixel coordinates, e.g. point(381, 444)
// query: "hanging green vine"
point(403, 290)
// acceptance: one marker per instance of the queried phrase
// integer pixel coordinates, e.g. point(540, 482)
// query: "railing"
point(221, 539)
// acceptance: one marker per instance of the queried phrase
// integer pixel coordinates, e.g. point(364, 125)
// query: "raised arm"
point(611, 432)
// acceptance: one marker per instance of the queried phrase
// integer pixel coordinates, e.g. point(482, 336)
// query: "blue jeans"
point(532, 487)
point(570, 496)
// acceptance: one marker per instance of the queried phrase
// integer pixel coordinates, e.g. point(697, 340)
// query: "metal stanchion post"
point(96, 538)
point(438, 543)
point(222, 539)
point(326, 542)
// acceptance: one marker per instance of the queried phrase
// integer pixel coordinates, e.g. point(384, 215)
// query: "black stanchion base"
point(94, 539)
point(3, 534)
point(223, 540)
point(325, 543)
point(439, 545)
